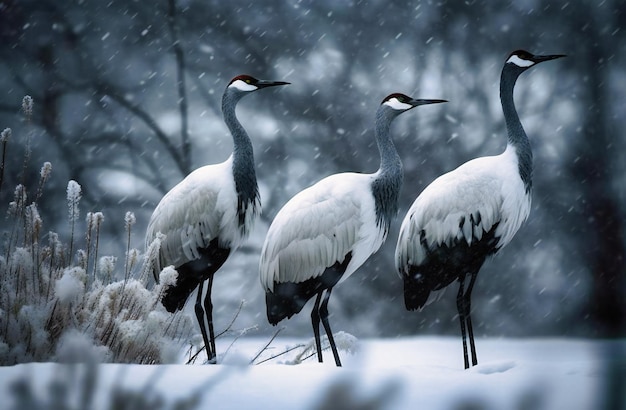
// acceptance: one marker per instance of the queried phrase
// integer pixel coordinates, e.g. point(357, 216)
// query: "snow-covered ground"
point(404, 373)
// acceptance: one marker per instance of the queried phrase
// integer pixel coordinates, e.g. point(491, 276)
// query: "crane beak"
point(266, 83)
point(540, 59)
point(416, 103)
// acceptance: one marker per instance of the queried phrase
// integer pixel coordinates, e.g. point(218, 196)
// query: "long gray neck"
point(388, 182)
point(243, 156)
point(516, 135)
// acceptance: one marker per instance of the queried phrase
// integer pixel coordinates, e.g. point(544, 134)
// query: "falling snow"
point(104, 112)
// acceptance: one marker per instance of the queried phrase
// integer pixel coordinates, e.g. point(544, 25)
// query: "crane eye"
point(248, 81)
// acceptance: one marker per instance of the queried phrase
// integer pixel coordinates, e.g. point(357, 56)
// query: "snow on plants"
point(59, 298)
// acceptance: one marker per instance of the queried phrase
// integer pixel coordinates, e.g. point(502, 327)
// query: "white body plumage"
point(468, 214)
point(318, 227)
point(488, 186)
point(199, 209)
point(207, 216)
point(326, 232)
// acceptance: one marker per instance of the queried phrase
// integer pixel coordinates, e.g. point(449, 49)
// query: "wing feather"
point(319, 227)
point(464, 203)
point(193, 213)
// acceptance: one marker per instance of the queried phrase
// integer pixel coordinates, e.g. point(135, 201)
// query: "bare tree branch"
point(266, 345)
point(180, 83)
point(109, 90)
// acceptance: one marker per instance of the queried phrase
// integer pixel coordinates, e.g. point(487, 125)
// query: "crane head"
point(523, 59)
point(247, 83)
point(401, 102)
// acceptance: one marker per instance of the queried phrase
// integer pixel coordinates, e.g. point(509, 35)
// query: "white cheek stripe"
point(243, 86)
point(397, 105)
point(520, 62)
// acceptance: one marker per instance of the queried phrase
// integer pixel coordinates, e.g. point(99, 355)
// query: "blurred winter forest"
point(127, 101)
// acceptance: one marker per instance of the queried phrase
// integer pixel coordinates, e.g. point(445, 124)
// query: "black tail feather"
point(287, 300)
point(416, 291)
point(191, 273)
point(175, 296)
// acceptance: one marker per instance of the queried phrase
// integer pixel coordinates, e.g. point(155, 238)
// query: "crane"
point(208, 215)
point(325, 232)
point(469, 213)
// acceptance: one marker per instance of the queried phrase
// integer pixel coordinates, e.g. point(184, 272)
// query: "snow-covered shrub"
point(60, 304)
point(71, 286)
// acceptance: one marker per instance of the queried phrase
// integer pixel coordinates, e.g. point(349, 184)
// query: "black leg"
point(315, 321)
point(200, 317)
point(329, 333)
point(460, 305)
point(468, 310)
point(208, 310)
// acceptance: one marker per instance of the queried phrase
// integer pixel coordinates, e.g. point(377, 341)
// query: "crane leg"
point(461, 307)
point(468, 310)
point(208, 310)
point(315, 321)
point(200, 317)
point(329, 333)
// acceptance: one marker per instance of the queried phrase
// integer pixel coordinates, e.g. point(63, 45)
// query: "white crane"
point(324, 233)
point(469, 213)
point(208, 215)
